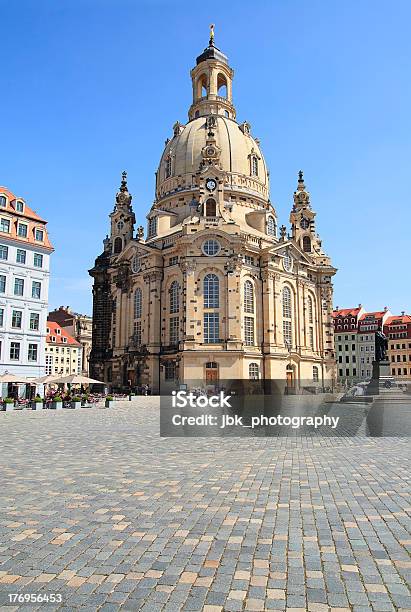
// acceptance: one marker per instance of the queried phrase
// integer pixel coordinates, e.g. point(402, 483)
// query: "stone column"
point(233, 298)
point(269, 311)
point(190, 317)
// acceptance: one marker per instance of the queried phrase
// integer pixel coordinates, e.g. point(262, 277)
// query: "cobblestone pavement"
point(99, 509)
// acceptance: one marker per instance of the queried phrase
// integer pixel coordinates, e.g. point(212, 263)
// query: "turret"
point(122, 218)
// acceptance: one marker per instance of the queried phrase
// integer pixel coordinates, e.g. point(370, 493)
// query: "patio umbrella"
point(76, 379)
point(45, 380)
point(7, 377)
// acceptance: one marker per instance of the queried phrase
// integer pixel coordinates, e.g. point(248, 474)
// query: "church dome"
point(212, 120)
point(240, 154)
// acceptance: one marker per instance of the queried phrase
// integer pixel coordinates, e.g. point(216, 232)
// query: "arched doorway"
point(211, 373)
point(290, 378)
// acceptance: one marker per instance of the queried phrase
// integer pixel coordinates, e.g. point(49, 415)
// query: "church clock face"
point(211, 184)
point(304, 223)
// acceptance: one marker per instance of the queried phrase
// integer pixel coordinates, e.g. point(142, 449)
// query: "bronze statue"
point(381, 346)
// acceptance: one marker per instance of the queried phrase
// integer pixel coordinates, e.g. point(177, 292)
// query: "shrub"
point(76, 398)
point(109, 398)
point(38, 399)
point(57, 398)
point(8, 400)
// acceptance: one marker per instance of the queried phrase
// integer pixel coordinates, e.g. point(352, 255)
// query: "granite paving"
point(102, 513)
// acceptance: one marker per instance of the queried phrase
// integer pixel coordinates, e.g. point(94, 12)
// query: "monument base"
point(380, 371)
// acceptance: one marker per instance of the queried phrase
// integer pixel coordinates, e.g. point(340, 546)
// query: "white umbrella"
point(7, 377)
point(44, 380)
point(77, 379)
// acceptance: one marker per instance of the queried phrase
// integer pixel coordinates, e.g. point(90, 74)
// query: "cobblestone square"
point(97, 508)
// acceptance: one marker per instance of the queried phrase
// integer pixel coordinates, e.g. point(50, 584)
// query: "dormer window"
point(3, 201)
point(22, 230)
point(19, 206)
point(152, 227)
point(5, 226)
point(39, 235)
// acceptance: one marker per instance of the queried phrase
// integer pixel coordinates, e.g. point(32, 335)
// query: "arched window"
point(306, 244)
point(287, 303)
point(253, 371)
point(222, 86)
point(287, 323)
point(310, 309)
point(152, 227)
point(211, 208)
point(3, 201)
point(211, 291)
point(315, 374)
point(254, 165)
point(118, 245)
point(271, 226)
point(138, 303)
point(248, 297)
point(174, 292)
point(202, 86)
point(169, 166)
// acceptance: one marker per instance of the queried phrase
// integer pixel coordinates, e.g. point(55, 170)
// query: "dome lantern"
point(212, 84)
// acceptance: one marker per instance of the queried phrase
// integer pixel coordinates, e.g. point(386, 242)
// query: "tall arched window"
point(222, 86)
point(287, 323)
point(138, 303)
point(253, 371)
point(174, 292)
point(152, 227)
point(248, 297)
point(254, 165)
point(211, 208)
point(287, 303)
point(211, 291)
point(306, 244)
point(138, 308)
point(169, 166)
point(118, 245)
point(315, 374)
point(271, 226)
point(211, 302)
point(310, 309)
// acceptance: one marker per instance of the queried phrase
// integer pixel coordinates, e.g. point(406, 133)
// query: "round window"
point(287, 262)
point(211, 247)
point(136, 263)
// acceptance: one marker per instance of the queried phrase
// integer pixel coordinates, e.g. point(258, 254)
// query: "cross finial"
point(123, 186)
point(300, 176)
point(211, 41)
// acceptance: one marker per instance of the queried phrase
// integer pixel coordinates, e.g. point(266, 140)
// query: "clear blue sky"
point(92, 87)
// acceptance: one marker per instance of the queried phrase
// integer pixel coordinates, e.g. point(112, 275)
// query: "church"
point(214, 289)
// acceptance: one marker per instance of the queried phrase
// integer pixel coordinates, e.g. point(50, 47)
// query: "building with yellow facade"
point(216, 290)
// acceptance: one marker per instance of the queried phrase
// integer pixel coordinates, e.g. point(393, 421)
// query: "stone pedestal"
point(380, 369)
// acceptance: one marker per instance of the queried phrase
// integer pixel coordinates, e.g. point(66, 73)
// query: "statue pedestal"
point(380, 369)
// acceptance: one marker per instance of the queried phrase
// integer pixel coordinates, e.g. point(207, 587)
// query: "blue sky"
point(93, 87)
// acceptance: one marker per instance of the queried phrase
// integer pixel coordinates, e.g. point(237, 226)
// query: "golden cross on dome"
point(211, 41)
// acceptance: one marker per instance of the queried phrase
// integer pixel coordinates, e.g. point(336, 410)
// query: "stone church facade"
point(215, 290)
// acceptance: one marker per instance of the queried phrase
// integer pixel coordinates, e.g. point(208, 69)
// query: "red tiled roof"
point(27, 215)
point(398, 319)
point(373, 315)
point(346, 312)
point(53, 328)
